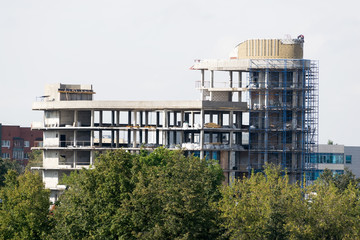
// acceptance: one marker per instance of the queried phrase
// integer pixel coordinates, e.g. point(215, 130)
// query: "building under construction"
point(258, 106)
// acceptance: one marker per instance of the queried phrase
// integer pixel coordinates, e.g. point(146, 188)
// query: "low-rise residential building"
point(16, 142)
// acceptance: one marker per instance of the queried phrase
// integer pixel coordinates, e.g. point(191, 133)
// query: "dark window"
point(348, 159)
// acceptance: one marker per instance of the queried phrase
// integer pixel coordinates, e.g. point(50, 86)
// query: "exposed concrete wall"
point(50, 178)
point(52, 159)
point(51, 139)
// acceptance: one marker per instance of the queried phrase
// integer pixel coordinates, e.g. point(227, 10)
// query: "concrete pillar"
point(231, 79)
point(129, 118)
point(141, 118)
point(192, 119)
point(202, 135)
point(112, 138)
point(240, 85)
point(100, 118)
point(202, 78)
point(211, 78)
point(92, 157)
point(91, 138)
point(112, 118)
point(117, 118)
point(100, 138)
point(182, 118)
point(146, 118)
point(92, 118)
point(74, 158)
point(75, 138)
point(146, 136)
point(117, 138)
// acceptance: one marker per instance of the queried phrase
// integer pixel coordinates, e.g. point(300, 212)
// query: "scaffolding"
point(282, 96)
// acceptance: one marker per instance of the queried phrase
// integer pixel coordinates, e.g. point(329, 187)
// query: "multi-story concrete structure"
point(264, 111)
point(16, 142)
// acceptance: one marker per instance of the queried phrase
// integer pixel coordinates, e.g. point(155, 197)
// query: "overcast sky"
point(142, 50)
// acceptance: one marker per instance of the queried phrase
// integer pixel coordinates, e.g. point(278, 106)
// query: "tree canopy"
point(161, 195)
point(24, 207)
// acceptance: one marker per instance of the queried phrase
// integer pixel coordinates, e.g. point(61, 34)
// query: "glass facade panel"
point(328, 158)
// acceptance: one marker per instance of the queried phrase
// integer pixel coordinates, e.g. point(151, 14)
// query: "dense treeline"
point(165, 195)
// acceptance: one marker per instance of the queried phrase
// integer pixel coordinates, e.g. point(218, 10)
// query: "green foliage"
point(173, 200)
point(266, 206)
point(35, 159)
point(341, 181)
point(24, 207)
point(161, 195)
point(5, 166)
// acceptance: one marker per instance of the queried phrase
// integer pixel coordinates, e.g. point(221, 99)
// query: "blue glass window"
point(348, 159)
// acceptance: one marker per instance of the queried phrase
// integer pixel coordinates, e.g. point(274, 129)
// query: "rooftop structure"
point(259, 106)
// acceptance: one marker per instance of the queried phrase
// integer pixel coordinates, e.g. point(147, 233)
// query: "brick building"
point(16, 142)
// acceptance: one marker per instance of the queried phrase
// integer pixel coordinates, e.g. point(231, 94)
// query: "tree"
point(175, 200)
point(161, 195)
point(5, 166)
point(35, 159)
point(24, 207)
point(341, 181)
point(264, 206)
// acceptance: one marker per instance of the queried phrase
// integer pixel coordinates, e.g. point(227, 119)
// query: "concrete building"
point(259, 106)
point(16, 142)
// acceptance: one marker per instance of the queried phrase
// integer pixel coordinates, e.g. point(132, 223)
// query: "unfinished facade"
point(264, 111)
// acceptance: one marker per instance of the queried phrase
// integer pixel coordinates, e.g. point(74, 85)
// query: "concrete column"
point(165, 119)
point(202, 78)
point(75, 136)
point(92, 118)
point(141, 118)
point(100, 118)
point(117, 138)
point(240, 85)
point(133, 138)
point(202, 135)
point(75, 118)
point(112, 138)
point(129, 118)
point(146, 136)
point(91, 138)
point(74, 159)
point(192, 119)
point(92, 157)
point(182, 118)
point(134, 120)
point(117, 118)
point(211, 78)
point(100, 138)
point(112, 118)
point(230, 79)
point(146, 118)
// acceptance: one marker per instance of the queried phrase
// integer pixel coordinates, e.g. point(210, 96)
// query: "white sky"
point(142, 50)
